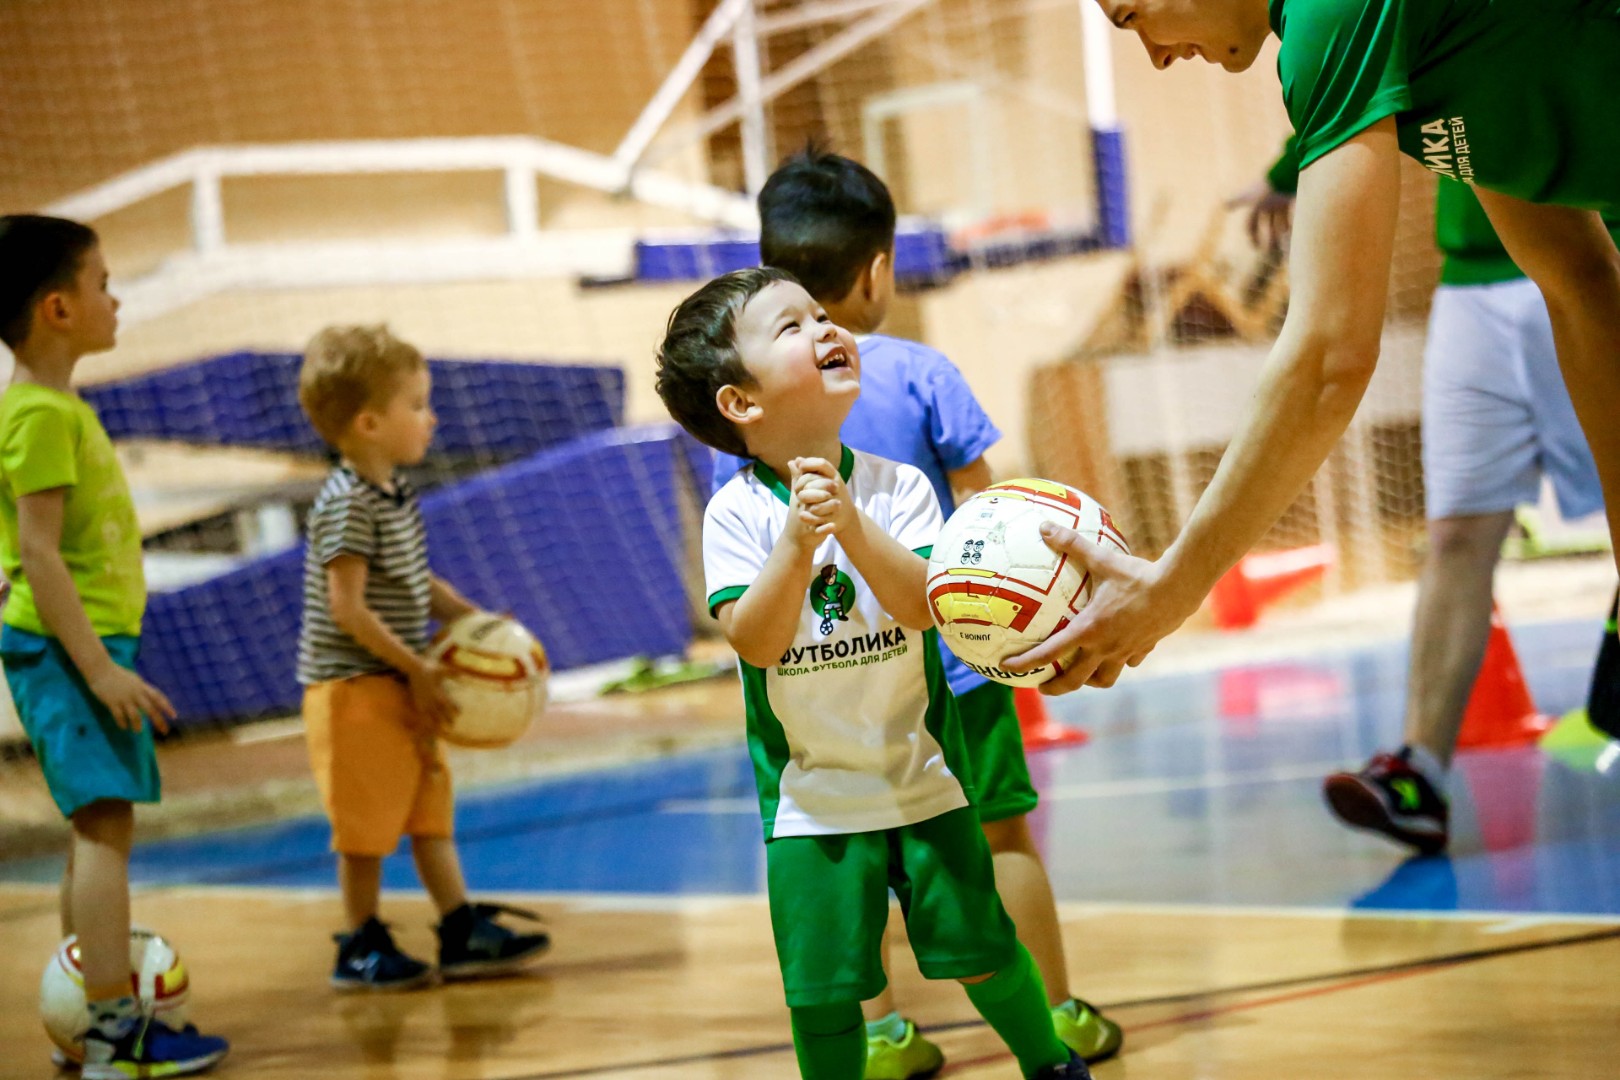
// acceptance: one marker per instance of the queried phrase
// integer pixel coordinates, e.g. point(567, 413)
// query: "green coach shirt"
point(50, 439)
point(1474, 255)
point(1519, 96)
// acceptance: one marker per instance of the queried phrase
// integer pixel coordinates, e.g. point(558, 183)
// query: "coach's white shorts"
point(1496, 416)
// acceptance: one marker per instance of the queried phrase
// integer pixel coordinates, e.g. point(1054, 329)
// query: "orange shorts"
point(377, 781)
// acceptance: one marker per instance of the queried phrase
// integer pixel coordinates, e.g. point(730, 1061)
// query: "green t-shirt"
point(50, 439)
point(1518, 96)
point(1474, 254)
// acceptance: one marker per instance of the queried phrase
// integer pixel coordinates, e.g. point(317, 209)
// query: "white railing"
point(212, 263)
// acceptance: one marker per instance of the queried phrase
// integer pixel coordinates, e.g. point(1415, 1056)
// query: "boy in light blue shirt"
point(830, 222)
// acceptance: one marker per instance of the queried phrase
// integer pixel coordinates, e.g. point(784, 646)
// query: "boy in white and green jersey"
point(815, 559)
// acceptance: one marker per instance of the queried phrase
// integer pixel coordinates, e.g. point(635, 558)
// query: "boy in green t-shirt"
point(815, 572)
point(71, 549)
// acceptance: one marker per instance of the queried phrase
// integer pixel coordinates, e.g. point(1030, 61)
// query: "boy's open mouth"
point(836, 358)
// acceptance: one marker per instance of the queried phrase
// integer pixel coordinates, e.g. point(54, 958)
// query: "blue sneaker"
point(150, 1049)
point(368, 959)
point(1073, 1069)
point(472, 945)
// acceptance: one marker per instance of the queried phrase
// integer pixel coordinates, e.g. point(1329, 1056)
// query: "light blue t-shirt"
point(914, 407)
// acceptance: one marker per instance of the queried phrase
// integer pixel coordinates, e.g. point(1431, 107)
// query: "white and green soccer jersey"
point(854, 728)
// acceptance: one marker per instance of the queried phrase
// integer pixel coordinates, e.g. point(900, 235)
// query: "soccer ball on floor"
point(496, 673)
point(161, 984)
point(995, 589)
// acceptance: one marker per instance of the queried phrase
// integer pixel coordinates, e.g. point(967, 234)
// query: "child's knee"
point(108, 822)
point(974, 980)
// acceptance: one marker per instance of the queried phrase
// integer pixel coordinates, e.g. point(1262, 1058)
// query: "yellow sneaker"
point(1086, 1031)
point(910, 1057)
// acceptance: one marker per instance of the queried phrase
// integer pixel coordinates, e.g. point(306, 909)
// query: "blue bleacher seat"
point(585, 543)
point(495, 410)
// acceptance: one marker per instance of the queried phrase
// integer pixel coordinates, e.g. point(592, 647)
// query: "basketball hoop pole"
point(1107, 139)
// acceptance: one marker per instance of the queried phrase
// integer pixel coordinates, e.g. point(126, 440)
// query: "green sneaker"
point(1088, 1032)
point(912, 1056)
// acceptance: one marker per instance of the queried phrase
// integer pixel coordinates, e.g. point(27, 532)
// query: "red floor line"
point(1200, 1015)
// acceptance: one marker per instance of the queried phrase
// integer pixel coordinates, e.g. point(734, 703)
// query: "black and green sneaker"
point(1389, 796)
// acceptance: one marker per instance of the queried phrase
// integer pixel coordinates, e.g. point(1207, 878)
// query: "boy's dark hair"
point(38, 255)
point(699, 355)
point(823, 217)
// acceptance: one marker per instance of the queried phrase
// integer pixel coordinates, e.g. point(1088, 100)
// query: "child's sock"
point(891, 1027)
point(113, 1018)
point(1013, 1002)
point(830, 1041)
point(1427, 765)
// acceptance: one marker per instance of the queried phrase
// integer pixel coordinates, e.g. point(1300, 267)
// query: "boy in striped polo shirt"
point(373, 704)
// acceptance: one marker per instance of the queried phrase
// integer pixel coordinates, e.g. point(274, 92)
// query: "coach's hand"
point(1131, 609)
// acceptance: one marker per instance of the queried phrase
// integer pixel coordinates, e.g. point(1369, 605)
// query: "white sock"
point(891, 1027)
point(1427, 766)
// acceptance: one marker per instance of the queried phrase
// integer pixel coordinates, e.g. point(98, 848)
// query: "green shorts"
point(830, 903)
point(995, 752)
point(85, 755)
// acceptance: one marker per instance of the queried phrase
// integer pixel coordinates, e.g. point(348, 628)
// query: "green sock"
point(830, 1041)
point(891, 1027)
point(1013, 1002)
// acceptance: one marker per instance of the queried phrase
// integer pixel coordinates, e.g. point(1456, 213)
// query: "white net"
point(486, 177)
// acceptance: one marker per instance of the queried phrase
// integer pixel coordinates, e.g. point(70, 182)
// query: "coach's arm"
point(1343, 239)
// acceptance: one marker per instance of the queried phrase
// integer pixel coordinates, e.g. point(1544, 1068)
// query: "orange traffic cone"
point(1040, 731)
point(1257, 580)
point(1500, 712)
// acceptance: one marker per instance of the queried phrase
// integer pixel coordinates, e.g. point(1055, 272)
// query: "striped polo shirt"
point(353, 516)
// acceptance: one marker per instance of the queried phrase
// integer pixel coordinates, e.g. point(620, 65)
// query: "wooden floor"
point(682, 989)
point(1210, 902)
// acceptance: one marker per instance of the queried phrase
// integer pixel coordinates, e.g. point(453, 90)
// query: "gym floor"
point(1209, 902)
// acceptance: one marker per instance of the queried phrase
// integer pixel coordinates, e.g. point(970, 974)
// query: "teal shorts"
point(995, 753)
point(830, 902)
point(85, 755)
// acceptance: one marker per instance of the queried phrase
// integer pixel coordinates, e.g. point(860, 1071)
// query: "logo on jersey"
point(832, 596)
point(1446, 150)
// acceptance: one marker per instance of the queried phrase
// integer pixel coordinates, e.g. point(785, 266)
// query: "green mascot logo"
point(832, 595)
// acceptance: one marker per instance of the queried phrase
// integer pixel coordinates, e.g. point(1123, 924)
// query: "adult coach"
point(1519, 98)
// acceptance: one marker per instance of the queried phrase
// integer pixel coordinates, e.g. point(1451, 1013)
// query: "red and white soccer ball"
point(161, 984)
point(496, 673)
point(995, 589)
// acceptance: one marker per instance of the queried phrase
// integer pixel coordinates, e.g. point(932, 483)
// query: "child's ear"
point(874, 273)
point(54, 310)
point(736, 405)
point(366, 422)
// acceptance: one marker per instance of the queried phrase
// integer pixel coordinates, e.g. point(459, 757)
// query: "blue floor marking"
point(1195, 788)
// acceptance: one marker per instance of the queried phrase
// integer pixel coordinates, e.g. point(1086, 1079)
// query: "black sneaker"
point(1073, 1069)
point(368, 959)
point(473, 945)
point(1390, 797)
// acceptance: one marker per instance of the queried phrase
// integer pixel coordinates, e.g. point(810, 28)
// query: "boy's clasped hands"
point(821, 502)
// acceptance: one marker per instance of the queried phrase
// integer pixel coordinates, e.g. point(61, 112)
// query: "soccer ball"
point(995, 589)
point(496, 674)
point(161, 983)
